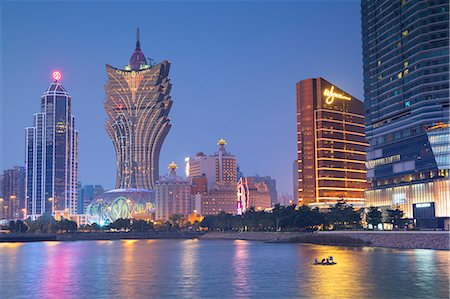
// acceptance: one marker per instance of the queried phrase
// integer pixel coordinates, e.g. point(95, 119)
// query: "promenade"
point(438, 240)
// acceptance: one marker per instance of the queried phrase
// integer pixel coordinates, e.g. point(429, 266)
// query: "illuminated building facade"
point(121, 203)
point(406, 90)
point(137, 104)
point(173, 195)
point(86, 193)
point(331, 145)
point(217, 174)
point(51, 156)
point(252, 192)
point(12, 201)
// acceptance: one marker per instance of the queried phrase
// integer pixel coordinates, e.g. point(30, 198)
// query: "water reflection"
point(240, 268)
point(216, 269)
point(332, 281)
point(189, 270)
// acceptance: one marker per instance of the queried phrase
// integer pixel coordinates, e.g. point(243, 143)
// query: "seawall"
point(97, 236)
point(438, 240)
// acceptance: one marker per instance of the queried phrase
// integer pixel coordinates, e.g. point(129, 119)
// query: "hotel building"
point(137, 104)
point(214, 180)
point(252, 192)
point(331, 145)
point(406, 90)
point(51, 156)
point(173, 195)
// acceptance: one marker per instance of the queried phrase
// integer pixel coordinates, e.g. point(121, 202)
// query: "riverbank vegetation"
point(340, 216)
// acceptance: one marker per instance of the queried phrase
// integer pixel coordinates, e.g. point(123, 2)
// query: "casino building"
point(406, 90)
point(137, 104)
point(331, 145)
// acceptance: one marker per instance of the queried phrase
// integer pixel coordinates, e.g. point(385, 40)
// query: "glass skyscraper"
point(137, 104)
point(406, 89)
point(51, 156)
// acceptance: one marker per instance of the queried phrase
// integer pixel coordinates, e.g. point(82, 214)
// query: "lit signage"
point(331, 95)
point(56, 75)
point(423, 205)
point(377, 162)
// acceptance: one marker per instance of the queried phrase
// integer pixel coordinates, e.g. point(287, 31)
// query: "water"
point(216, 269)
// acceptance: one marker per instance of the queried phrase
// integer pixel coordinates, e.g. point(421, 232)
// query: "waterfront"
point(223, 268)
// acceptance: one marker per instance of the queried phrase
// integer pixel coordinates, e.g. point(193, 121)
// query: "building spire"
point(138, 44)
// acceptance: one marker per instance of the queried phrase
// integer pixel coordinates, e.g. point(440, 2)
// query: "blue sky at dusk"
point(234, 69)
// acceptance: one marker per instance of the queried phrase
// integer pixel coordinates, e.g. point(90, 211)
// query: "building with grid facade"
point(406, 90)
point(331, 145)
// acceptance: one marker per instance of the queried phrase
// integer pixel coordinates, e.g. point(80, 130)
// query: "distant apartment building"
point(406, 89)
point(271, 185)
point(285, 199)
point(331, 145)
point(252, 193)
point(12, 199)
point(87, 193)
point(51, 156)
point(213, 180)
point(173, 195)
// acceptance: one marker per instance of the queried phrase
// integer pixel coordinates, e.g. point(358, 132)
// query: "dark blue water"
point(216, 269)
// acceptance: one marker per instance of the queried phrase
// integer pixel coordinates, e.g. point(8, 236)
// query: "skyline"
point(203, 61)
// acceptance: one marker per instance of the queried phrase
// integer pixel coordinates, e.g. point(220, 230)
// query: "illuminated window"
point(405, 64)
point(405, 32)
point(399, 75)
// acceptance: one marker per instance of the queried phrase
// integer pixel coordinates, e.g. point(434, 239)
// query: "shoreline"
point(434, 240)
point(92, 236)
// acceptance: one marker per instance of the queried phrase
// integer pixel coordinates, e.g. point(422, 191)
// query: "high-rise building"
point(51, 158)
point(271, 185)
point(137, 104)
point(331, 145)
point(13, 193)
point(406, 90)
point(295, 181)
point(86, 194)
point(217, 174)
point(173, 195)
point(252, 192)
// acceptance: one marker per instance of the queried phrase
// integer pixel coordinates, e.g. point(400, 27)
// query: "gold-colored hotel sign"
point(331, 95)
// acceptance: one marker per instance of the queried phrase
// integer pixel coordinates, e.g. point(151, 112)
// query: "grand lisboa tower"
point(137, 104)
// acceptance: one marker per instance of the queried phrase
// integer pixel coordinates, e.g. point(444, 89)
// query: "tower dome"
point(137, 58)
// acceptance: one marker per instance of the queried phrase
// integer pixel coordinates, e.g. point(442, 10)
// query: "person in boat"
point(316, 261)
point(323, 261)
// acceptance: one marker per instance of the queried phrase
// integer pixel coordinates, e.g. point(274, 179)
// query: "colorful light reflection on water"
point(225, 269)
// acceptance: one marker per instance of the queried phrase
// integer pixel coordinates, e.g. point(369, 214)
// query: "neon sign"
point(56, 75)
point(423, 205)
point(330, 94)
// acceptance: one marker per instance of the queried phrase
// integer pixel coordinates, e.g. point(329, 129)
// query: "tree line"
point(340, 216)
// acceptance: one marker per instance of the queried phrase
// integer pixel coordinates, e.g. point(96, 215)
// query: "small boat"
point(325, 262)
